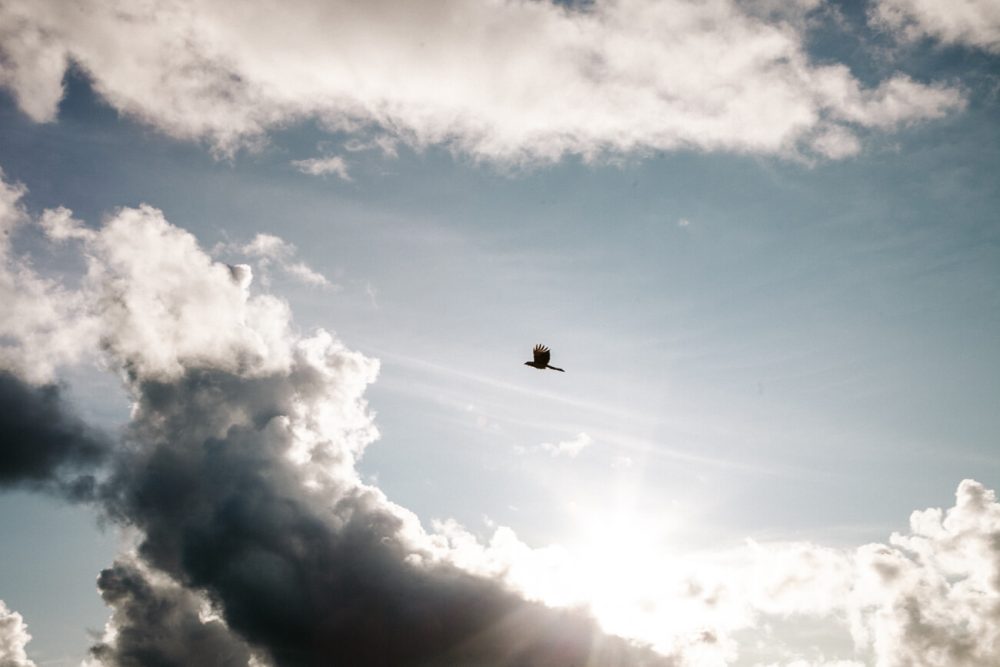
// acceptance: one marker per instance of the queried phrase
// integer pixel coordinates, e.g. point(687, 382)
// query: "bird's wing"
point(541, 355)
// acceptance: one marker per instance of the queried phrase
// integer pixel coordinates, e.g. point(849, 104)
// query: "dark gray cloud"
point(42, 442)
point(313, 577)
point(159, 624)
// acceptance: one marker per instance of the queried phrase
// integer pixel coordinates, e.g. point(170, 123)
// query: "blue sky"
point(768, 336)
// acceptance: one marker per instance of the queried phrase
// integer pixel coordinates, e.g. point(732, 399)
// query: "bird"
point(541, 360)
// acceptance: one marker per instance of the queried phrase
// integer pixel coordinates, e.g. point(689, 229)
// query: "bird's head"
point(527, 363)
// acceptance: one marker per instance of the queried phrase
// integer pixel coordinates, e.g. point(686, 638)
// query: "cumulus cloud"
point(974, 23)
point(13, 637)
point(156, 621)
point(932, 597)
point(501, 81)
point(237, 470)
point(321, 166)
point(927, 598)
point(44, 325)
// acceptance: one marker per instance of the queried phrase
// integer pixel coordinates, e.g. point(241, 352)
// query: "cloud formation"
point(974, 23)
point(502, 81)
point(237, 470)
point(13, 637)
point(927, 598)
point(258, 542)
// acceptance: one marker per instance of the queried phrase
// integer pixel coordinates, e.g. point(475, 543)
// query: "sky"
point(269, 277)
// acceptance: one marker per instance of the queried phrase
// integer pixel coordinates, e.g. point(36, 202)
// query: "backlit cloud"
point(237, 470)
point(501, 81)
point(258, 541)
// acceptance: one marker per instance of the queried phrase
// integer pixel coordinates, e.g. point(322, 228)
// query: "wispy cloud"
point(570, 447)
point(321, 166)
point(270, 250)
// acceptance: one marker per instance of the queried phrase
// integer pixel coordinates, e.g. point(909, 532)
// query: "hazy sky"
point(270, 276)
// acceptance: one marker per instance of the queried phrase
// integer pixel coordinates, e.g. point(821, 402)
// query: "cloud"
point(973, 23)
point(157, 621)
point(43, 442)
point(245, 487)
point(50, 327)
point(570, 447)
point(927, 598)
point(499, 81)
point(237, 471)
point(269, 249)
point(12, 212)
point(322, 166)
point(932, 597)
point(13, 637)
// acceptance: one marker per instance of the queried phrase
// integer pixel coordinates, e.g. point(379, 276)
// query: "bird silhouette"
point(541, 360)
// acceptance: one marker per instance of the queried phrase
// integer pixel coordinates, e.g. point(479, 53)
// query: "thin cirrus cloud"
point(507, 82)
point(322, 166)
point(258, 540)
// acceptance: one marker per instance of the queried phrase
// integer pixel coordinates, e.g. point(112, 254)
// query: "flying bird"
point(541, 360)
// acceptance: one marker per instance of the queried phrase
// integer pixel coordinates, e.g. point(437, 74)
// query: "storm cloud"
point(42, 442)
point(237, 473)
point(322, 576)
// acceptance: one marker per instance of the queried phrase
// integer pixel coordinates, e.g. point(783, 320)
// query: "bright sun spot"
point(616, 562)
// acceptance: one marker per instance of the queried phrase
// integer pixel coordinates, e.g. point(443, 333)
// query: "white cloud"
point(974, 23)
point(150, 296)
point(269, 249)
point(12, 212)
point(321, 166)
point(43, 325)
point(570, 447)
point(13, 638)
point(503, 81)
point(928, 598)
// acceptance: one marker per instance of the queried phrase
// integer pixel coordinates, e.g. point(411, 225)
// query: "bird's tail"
point(556, 369)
